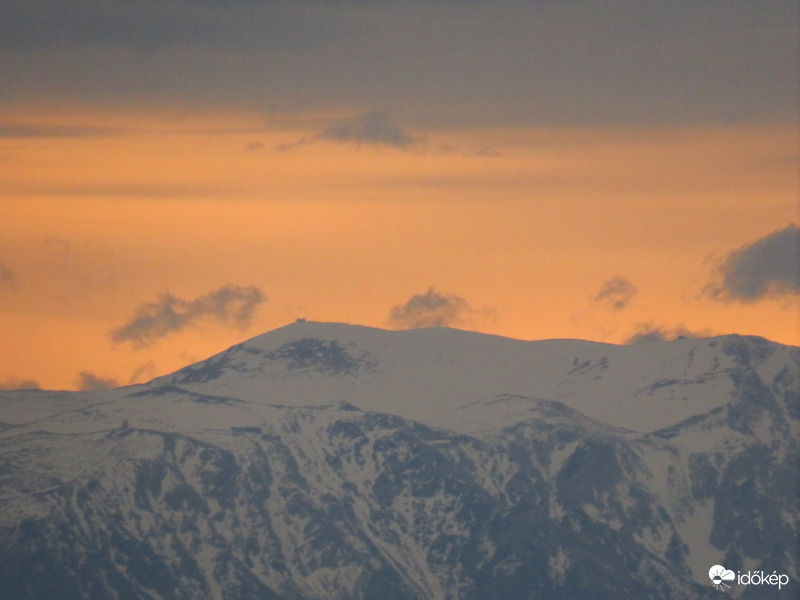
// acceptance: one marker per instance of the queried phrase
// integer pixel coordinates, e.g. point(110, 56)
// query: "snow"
point(695, 531)
point(558, 565)
point(436, 376)
point(468, 383)
point(461, 381)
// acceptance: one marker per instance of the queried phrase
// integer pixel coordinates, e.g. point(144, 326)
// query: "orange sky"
point(102, 210)
point(176, 176)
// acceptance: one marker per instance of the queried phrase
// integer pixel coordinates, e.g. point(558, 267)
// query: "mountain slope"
point(333, 461)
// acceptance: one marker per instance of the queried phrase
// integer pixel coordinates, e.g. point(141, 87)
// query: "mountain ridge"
point(340, 461)
point(320, 351)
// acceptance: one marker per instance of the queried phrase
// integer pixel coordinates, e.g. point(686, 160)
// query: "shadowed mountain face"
point(328, 461)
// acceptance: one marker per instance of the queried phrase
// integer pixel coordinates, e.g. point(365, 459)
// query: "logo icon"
point(719, 575)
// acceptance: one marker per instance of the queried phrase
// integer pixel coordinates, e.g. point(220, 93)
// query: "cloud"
point(14, 383)
point(769, 266)
point(229, 305)
point(430, 309)
point(649, 332)
point(500, 65)
point(373, 128)
point(56, 131)
point(617, 291)
point(123, 190)
point(89, 382)
point(143, 373)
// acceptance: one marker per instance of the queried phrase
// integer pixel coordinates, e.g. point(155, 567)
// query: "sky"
point(179, 176)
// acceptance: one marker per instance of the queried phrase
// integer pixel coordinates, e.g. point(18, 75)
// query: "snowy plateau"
point(331, 461)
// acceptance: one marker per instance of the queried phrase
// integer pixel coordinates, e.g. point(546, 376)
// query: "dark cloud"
point(14, 383)
point(431, 309)
point(649, 332)
point(371, 128)
point(89, 382)
point(617, 292)
point(498, 63)
point(229, 305)
point(770, 266)
point(157, 26)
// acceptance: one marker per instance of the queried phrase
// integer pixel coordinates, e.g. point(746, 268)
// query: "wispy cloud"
point(123, 190)
point(56, 131)
point(144, 372)
point(229, 305)
point(617, 292)
point(15, 383)
point(769, 266)
point(254, 146)
point(650, 332)
point(89, 382)
point(431, 309)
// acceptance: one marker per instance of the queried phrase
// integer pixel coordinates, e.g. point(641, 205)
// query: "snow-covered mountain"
point(333, 461)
